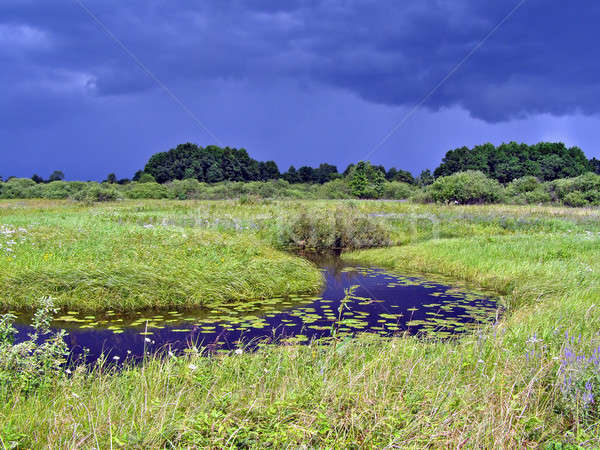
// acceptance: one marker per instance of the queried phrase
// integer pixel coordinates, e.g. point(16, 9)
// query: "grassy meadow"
point(531, 379)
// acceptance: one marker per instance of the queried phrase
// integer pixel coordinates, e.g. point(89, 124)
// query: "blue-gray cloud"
point(65, 85)
point(542, 60)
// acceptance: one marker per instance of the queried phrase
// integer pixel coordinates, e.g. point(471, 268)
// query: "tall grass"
point(522, 382)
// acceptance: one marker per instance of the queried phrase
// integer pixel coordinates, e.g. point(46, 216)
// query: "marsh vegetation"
point(529, 377)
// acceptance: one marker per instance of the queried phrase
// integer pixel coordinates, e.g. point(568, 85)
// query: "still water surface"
point(382, 303)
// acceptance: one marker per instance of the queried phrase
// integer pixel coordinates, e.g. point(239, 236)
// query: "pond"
point(381, 302)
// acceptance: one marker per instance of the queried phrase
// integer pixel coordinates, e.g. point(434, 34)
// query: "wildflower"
point(239, 351)
point(192, 367)
point(116, 358)
point(147, 340)
point(74, 395)
point(480, 361)
point(68, 372)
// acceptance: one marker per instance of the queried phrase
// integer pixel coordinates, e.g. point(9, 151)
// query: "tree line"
point(546, 161)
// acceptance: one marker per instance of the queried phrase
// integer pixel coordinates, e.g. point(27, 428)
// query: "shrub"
point(531, 198)
point(95, 192)
point(59, 189)
point(397, 190)
point(527, 190)
point(576, 199)
point(17, 188)
point(522, 185)
point(467, 187)
point(146, 178)
point(422, 196)
point(342, 228)
point(147, 190)
point(336, 189)
point(186, 189)
point(585, 189)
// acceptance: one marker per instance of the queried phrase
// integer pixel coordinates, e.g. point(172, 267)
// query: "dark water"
point(381, 303)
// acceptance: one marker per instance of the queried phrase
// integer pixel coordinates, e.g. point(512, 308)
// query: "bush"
point(59, 189)
point(17, 188)
point(147, 190)
point(186, 189)
point(95, 192)
point(467, 187)
point(397, 190)
point(146, 178)
point(531, 198)
point(527, 190)
point(342, 228)
point(522, 185)
point(585, 189)
point(336, 189)
point(576, 199)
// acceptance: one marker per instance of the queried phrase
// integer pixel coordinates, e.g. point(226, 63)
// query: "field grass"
point(91, 259)
point(523, 382)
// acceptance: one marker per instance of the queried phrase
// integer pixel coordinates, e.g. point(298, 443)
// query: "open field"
point(531, 379)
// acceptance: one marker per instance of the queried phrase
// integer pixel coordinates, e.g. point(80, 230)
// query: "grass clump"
point(337, 229)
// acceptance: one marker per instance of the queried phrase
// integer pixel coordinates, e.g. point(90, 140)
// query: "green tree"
point(291, 176)
point(57, 175)
point(111, 178)
point(366, 181)
point(137, 175)
point(214, 174)
point(425, 178)
point(306, 174)
point(269, 171)
point(36, 178)
point(509, 161)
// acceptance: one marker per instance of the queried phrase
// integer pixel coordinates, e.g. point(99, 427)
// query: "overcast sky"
point(297, 81)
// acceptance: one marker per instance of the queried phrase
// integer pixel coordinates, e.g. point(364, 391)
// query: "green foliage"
point(397, 190)
point(425, 178)
point(366, 181)
point(211, 164)
point(578, 191)
point(146, 178)
point(467, 187)
point(31, 364)
point(17, 188)
point(57, 175)
point(403, 176)
point(336, 189)
point(94, 192)
point(338, 229)
point(548, 161)
point(527, 190)
point(147, 190)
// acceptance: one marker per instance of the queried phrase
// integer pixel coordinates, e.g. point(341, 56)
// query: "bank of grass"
point(163, 253)
point(504, 386)
point(87, 262)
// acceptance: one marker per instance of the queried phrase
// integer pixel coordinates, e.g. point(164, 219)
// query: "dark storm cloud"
point(544, 59)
